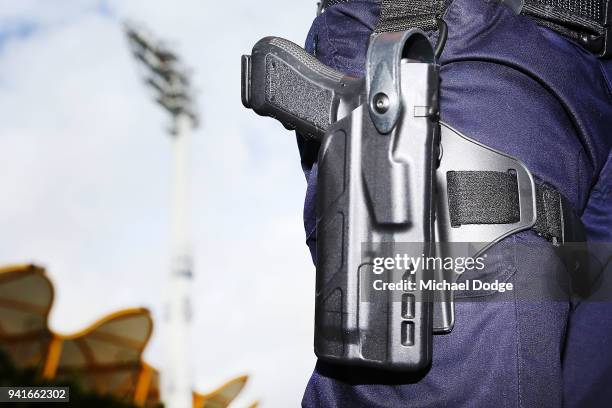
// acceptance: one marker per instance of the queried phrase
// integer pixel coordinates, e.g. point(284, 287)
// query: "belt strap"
point(399, 15)
point(587, 21)
point(491, 197)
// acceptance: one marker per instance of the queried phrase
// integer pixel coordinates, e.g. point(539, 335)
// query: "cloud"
point(85, 172)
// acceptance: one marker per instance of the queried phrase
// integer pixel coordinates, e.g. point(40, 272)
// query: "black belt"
point(587, 21)
point(490, 197)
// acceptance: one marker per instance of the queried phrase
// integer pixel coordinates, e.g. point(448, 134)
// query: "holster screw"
point(381, 102)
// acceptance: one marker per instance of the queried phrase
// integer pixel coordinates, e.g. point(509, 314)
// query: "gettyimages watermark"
point(508, 271)
point(411, 264)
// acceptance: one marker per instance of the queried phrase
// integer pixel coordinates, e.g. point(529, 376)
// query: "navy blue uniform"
point(529, 92)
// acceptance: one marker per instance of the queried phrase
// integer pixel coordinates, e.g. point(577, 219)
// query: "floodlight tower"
point(170, 83)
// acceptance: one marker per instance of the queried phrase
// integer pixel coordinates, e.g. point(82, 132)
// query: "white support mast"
point(171, 85)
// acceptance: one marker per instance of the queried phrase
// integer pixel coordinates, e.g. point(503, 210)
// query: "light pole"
point(171, 85)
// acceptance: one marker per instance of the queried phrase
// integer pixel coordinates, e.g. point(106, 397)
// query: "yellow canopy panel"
point(26, 296)
point(222, 396)
point(106, 357)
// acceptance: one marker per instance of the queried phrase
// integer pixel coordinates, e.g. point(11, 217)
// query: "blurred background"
point(85, 171)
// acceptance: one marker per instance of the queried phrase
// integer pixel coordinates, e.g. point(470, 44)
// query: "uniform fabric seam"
point(518, 331)
point(606, 78)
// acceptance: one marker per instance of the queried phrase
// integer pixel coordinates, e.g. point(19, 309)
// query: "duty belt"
point(588, 22)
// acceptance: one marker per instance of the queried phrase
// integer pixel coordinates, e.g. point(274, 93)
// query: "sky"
point(85, 166)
